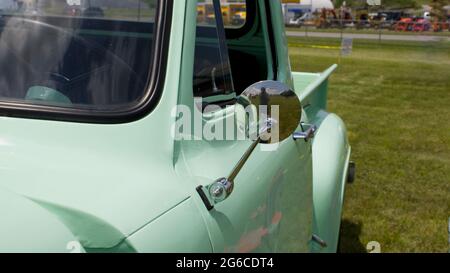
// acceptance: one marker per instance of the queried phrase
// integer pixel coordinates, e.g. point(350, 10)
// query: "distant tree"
point(437, 9)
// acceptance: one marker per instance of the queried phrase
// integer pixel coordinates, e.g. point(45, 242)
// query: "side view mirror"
point(279, 110)
point(278, 116)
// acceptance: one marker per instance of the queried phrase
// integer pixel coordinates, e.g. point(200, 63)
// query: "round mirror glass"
point(276, 110)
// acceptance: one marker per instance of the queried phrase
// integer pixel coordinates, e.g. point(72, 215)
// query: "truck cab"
point(132, 132)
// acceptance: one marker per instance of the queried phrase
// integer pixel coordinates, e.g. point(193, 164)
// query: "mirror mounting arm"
point(243, 159)
point(222, 188)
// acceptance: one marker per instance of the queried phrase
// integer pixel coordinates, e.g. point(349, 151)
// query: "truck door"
point(270, 208)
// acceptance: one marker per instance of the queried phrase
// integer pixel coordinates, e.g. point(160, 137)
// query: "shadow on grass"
point(349, 241)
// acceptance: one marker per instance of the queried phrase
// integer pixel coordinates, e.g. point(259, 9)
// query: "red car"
point(405, 24)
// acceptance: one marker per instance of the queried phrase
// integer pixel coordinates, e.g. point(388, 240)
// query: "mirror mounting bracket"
point(306, 135)
point(222, 188)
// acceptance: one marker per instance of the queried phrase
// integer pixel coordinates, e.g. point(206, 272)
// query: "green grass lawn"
point(445, 33)
point(395, 100)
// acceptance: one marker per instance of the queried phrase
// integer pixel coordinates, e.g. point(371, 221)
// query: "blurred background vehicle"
point(421, 25)
point(400, 16)
point(405, 24)
point(306, 19)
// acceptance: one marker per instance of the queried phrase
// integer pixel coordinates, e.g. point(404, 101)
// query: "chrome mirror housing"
point(278, 114)
point(279, 110)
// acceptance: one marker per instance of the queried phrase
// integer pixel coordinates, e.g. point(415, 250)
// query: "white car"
point(300, 21)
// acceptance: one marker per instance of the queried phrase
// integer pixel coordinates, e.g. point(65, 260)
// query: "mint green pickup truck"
point(164, 126)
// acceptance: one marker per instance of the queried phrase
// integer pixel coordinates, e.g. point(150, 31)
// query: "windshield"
point(88, 54)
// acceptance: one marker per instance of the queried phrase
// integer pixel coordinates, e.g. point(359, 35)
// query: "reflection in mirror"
point(279, 111)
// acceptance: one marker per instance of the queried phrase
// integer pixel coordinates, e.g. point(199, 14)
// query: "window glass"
point(108, 9)
point(234, 13)
point(92, 54)
point(212, 72)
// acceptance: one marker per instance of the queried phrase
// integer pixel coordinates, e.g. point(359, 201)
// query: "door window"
point(81, 55)
point(212, 72)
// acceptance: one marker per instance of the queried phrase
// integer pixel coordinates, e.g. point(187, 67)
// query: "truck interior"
point(75, 65)
point(248, 53)
point(75, 60)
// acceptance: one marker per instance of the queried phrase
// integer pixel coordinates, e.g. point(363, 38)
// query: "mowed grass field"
point(395, 100)
point(368, 31)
